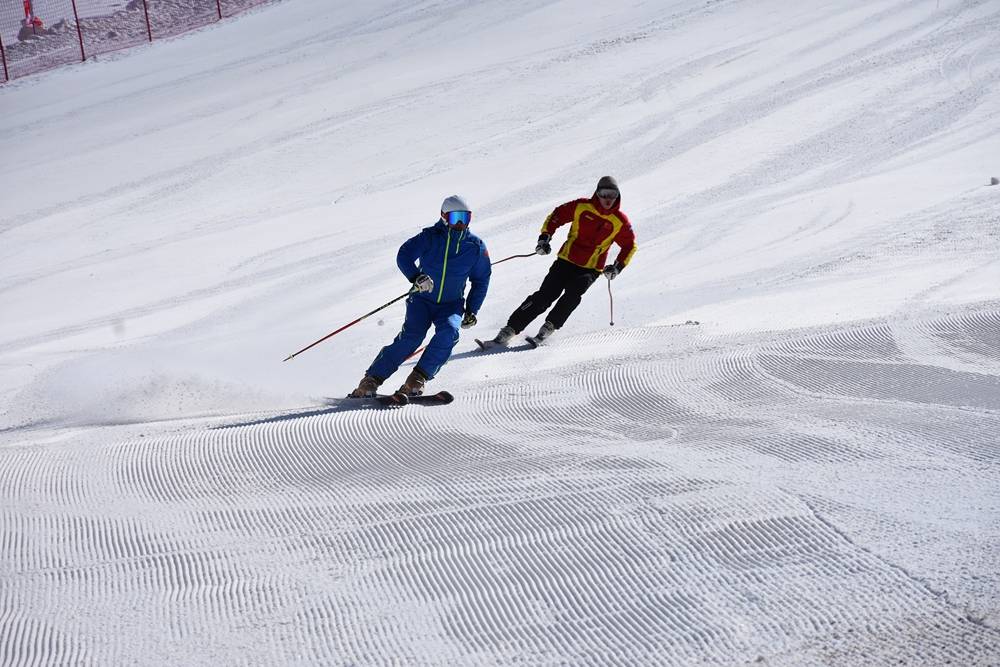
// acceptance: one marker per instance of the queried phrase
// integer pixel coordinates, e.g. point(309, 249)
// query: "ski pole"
point(402, 296)
point(611, 304)
point(501, 261)
point(350, 324)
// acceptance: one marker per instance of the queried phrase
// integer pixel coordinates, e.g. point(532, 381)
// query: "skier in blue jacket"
point(439, 261)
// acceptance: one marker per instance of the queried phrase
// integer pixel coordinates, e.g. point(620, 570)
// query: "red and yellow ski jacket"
point(592, 231)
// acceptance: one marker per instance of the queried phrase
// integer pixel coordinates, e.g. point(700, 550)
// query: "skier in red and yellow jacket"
point(595, 224)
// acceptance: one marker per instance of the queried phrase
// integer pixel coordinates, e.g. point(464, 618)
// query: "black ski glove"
point(611, 271)
point(543, 247)
point(469, 320)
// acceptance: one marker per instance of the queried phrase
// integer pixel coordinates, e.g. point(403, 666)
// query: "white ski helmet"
point(455, 212)
point(454, 203)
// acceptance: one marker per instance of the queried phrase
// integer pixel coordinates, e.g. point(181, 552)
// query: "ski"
point(398, 400)
point(534, 342)
point(490, 346)
point(487, 344)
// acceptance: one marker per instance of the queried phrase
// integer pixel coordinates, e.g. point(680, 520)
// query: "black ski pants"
point(565, 279)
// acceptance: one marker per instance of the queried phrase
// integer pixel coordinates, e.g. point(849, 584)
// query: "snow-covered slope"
point(808, 476)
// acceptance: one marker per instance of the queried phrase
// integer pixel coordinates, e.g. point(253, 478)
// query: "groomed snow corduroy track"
point(809, 477)
point(817, 498)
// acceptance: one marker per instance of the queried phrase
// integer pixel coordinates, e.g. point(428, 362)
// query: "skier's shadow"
point(332, 406)
point(497, 349)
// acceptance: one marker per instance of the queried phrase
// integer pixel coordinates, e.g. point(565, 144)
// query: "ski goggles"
point(607, 193)
point(457, 217)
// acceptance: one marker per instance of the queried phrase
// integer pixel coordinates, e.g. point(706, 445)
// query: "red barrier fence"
point(36, 35)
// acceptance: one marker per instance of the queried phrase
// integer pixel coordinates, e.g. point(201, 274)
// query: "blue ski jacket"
point(451, 257)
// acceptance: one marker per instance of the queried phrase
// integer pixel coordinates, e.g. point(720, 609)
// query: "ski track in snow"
point(663, 511)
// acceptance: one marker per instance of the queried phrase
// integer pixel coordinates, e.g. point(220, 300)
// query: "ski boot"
point(414, 383)
point(504, 335)
point(547, 330)
point(411, 387)
point(367, 388)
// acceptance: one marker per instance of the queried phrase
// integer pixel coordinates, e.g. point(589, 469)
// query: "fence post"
point(218, 6)
point(149, 29)
point(6, 75)
point(79, 33)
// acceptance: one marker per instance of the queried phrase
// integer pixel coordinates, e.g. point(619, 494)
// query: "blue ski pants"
point(421, 313)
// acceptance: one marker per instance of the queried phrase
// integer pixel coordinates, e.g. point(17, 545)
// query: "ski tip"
point(532, 342)
point(445, 396)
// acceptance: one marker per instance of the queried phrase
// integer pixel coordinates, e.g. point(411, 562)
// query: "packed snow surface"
point(784, 452)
